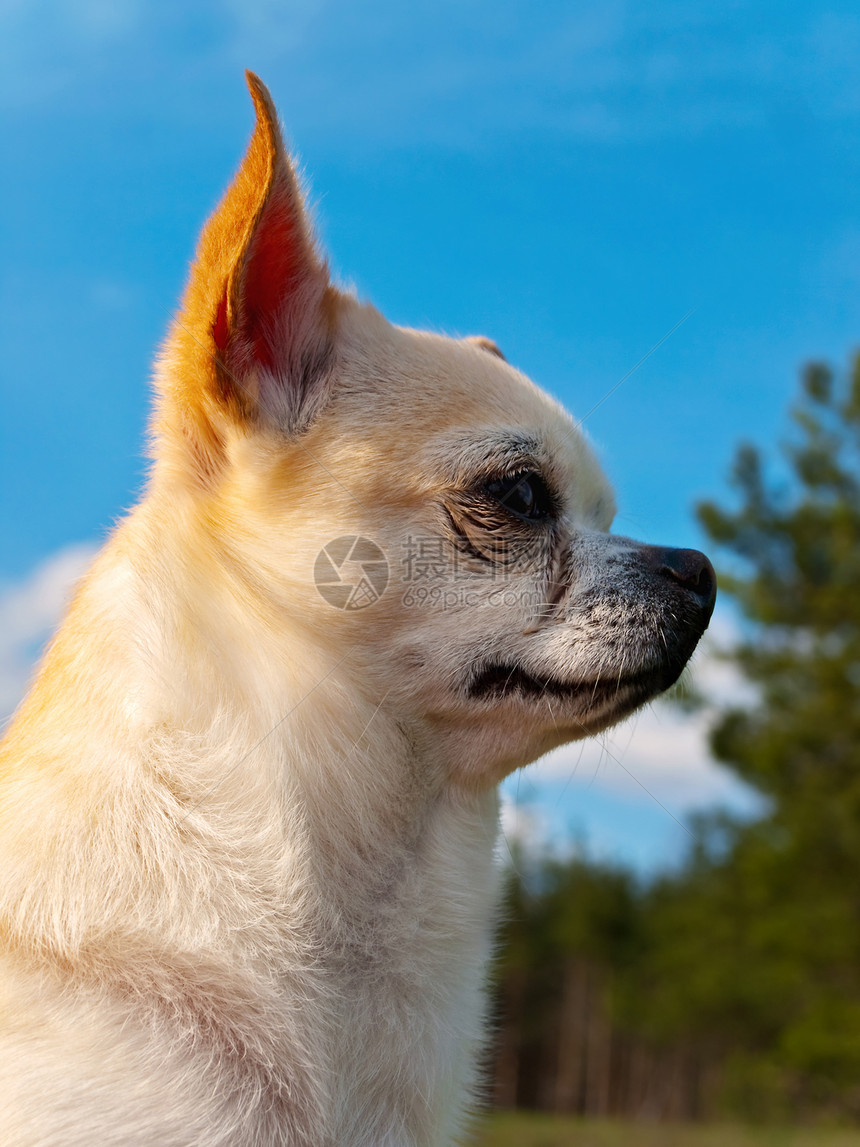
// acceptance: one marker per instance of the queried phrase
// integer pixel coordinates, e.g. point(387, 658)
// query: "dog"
point(249, 808)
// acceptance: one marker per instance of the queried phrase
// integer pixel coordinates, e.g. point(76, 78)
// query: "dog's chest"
point(408, 1003)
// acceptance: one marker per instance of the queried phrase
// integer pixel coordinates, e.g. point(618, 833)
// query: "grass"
point(517, 1129)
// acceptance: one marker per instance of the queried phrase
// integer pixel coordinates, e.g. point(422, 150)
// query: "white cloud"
point(457, 72)
point(523, 825)
point(47, 45)
point(662, 752)
point(29, 612)
point(268, 28)
point(626, 797)
point(111, 295)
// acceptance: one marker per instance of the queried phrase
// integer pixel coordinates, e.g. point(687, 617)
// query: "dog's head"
point(407, 502)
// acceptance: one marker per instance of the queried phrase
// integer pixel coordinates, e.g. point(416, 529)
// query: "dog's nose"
point(692, 570)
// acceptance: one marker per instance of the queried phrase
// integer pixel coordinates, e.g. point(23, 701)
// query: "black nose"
point(692, 570)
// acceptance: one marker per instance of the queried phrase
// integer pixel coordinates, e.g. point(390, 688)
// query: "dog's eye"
point(524, 495)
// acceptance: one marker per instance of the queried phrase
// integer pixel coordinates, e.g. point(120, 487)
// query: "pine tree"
point(755, 951)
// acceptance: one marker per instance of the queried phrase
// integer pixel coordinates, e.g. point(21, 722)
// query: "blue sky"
point(570, 179)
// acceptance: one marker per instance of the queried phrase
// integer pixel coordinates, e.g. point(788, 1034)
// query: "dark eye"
point(524, 495)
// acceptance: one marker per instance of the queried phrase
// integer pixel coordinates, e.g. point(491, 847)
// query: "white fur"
point(248, 839)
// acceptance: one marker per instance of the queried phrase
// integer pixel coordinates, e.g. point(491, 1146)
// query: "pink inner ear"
point(220, 330)
point(277, 261)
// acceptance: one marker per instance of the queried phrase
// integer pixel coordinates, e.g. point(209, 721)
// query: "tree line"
point(731, 987)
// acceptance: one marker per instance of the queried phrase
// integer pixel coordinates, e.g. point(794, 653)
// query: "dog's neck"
point(311, 848)
point(394, 877)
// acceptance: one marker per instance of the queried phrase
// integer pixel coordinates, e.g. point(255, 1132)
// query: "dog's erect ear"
point(253, 337)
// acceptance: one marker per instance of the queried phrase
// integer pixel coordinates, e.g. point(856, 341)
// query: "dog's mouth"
point(500, 681)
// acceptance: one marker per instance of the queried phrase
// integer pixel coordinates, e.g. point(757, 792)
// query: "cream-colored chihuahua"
point(248, 811)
